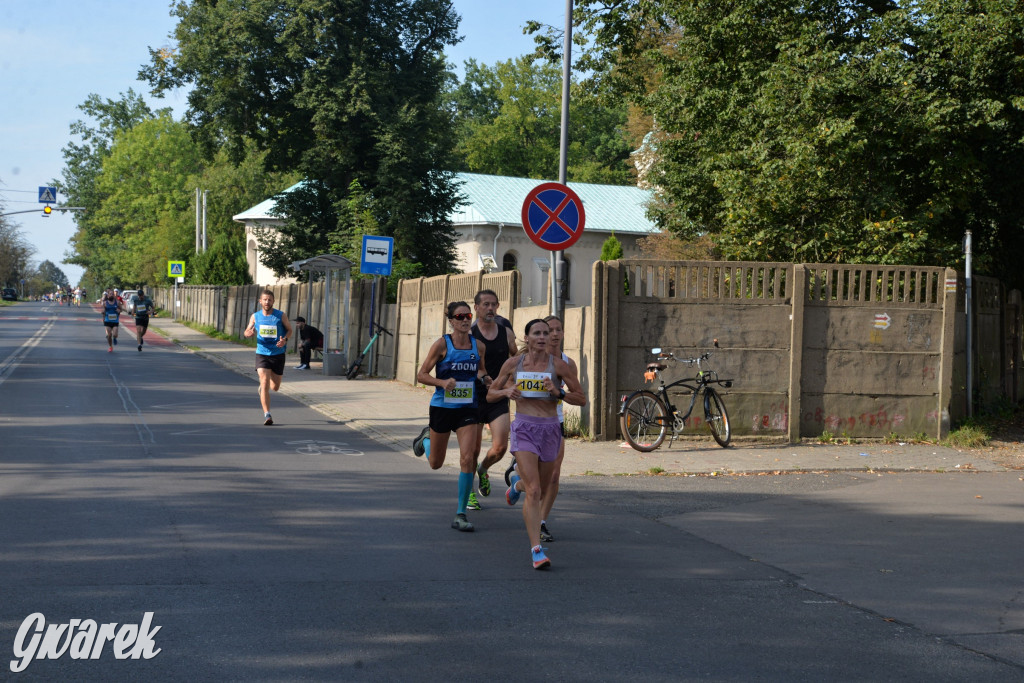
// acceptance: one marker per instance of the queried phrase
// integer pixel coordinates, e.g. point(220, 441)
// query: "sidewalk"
point(394, 413)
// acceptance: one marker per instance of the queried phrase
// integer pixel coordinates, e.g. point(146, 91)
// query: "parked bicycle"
point(353, 369)
point(646, 416)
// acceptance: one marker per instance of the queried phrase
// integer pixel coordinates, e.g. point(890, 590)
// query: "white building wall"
point(261, 275)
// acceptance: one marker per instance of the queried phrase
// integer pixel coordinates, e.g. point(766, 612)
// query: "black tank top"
point(497, 349)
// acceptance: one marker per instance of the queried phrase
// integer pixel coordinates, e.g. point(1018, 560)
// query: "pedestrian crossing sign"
point(175, 269)
point(47, 195)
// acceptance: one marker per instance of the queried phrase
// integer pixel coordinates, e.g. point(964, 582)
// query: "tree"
point(147, 214)
point(839, 131)
point(508, 120)
point(83, 164)
point(336, 90)
point(611, 250)
point(15, 252)
point(52, 276)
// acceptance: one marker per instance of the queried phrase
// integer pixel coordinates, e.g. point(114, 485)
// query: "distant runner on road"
point(143, 307)
point(272, 329)
point(111, 318)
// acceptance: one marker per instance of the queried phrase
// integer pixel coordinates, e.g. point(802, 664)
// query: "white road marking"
point(12, 361)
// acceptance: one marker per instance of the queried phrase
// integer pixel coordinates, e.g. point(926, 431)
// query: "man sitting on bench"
point(310, 338)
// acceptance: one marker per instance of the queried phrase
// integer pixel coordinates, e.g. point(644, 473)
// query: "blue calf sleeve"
point(465, 486)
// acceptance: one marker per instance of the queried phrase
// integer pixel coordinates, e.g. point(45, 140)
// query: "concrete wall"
point(422, 306)
point(856, 350)
point(865, 351)
point(227, 309)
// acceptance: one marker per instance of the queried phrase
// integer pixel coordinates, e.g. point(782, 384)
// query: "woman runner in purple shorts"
point(533, 380)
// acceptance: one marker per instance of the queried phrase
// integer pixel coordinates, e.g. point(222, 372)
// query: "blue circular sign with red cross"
point(553, 216)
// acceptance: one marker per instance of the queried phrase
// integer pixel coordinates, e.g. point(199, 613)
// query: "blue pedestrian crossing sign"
point(175, 269)
point(378, 253)
point(47, 195)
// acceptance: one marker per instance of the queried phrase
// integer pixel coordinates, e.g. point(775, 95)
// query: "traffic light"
point(47, 211)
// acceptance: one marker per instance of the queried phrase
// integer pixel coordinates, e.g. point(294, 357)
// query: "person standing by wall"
point(309, 338)
point(272, 330)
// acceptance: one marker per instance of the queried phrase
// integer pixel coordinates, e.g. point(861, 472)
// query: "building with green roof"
point(491, 234)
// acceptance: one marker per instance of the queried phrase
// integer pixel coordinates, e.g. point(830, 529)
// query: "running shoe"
point(461, 523)
point(485, 483)
point(110, 349)
point(269, 420)
point(545, 535)
point(540, 560)
point(473, 503)
point(509, 471)
point(417, 443)
point(140, 347)
point(512, 495)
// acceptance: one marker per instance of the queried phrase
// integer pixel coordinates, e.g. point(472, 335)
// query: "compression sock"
point(465, 486)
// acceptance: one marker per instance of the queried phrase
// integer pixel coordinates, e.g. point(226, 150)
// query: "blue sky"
point(53, 55)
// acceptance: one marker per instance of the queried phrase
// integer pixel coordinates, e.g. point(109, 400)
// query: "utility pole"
point(557, 274)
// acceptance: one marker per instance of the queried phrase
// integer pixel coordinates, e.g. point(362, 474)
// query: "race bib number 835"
point(462, 393)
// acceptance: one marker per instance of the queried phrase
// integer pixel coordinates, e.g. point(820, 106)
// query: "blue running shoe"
point(512, 495)
point(540, 560)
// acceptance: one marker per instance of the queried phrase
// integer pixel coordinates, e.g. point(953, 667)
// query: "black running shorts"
point(444, 420)
point(489, 412)
point(273, 363)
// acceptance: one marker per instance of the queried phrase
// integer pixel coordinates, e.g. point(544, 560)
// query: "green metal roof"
point(492, 199)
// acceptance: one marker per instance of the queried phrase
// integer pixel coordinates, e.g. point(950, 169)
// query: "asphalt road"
point(145, 482)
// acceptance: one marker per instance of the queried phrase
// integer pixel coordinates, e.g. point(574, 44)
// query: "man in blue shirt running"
point(272, 329)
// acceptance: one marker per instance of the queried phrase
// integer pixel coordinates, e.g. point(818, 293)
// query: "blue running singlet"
point(269, 329)
point(462, 365)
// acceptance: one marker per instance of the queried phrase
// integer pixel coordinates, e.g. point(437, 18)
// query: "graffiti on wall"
point(776, 419)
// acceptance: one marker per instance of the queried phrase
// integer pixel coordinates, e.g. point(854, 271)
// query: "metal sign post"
point(557, 274)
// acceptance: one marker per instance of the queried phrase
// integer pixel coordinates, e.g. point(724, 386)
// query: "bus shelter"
point(336, 273)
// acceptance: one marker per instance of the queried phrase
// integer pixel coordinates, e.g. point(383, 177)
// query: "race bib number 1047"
point(531, 384)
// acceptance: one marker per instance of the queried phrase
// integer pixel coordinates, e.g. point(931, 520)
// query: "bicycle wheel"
point(643, 421)
point(716, 416)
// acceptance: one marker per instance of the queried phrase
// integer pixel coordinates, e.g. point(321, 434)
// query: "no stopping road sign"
point(553, 216)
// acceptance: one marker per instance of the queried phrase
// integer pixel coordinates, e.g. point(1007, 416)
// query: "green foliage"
point(51, 276)
point(15, 252)
point(611, 250)
point(135, 171)
point(223, 263)
point(336, 92)
point(509, 121)
point(836, 131)
point(147, 213)
point(83, 167)
point(971, 434)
